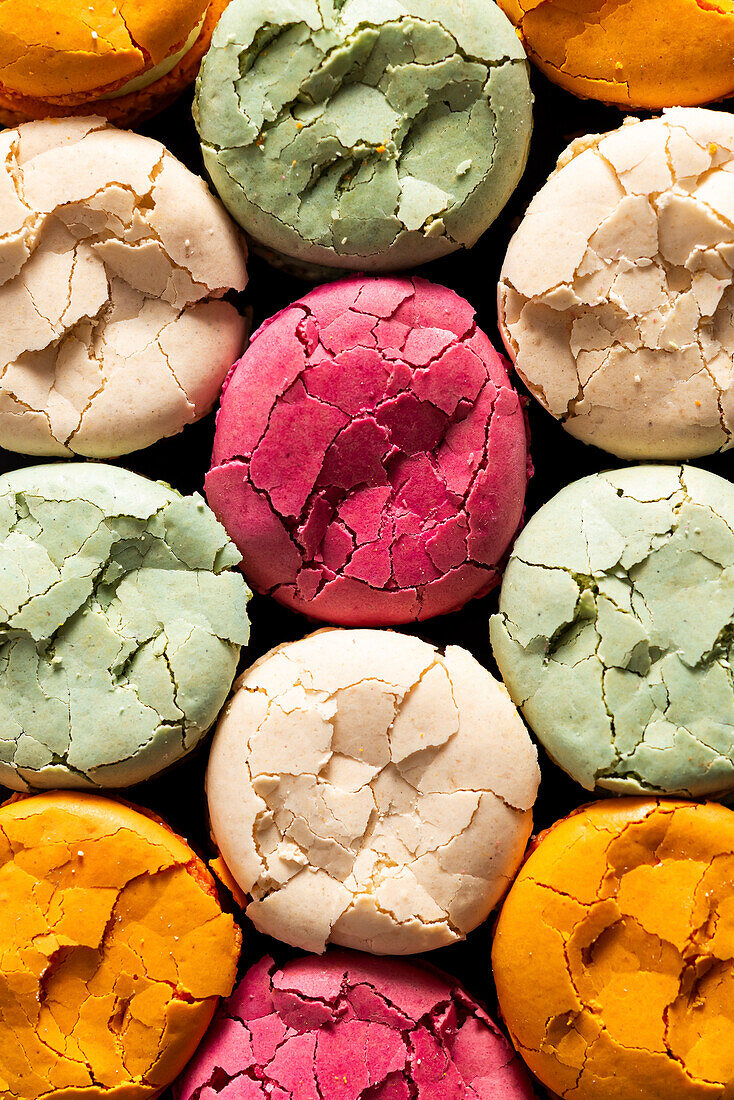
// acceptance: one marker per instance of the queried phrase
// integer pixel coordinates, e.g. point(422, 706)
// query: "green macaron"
point(615, 632)
point(121, 623)
point(366, 134)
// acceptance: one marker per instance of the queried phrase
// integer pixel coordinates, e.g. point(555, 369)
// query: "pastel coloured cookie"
point(124, 59)
point(634, 53)
point(614, 630)
point(398, 133)
point(367, 790)
point(347, 1027)
point(370, 459)
point(121, 620)
point(115, 950)
point(612, 956)
point(616, 296)
point(114, 264)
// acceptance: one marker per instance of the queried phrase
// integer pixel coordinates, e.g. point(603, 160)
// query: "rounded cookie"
point(365, 789)
point(615, 630)
point(617, 293)
point(114, 263)
point(612, 956)
point(122, 621)
point(398, 133)
point(370, 458)
point(115, 950)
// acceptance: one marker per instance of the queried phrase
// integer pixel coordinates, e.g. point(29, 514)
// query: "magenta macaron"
point(370, 459)
point(349, 1027)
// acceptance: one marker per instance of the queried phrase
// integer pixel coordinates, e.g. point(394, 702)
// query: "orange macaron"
point(123, 59)
point(633, 53)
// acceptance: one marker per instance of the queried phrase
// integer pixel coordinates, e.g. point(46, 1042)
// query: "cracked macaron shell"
point(613, 953)
point(115, 950)
point(616, 297)
point(123, 619)
point(615, 627)
point(114, 263)
point(366, 790)
point(633, 53)
point(67, 57)
point(370, 458)
point(347, 1027)
point(397, 136)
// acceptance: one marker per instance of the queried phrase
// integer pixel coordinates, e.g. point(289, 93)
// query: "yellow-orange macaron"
point(634, 53)
point(114, 950)
point(124, 59)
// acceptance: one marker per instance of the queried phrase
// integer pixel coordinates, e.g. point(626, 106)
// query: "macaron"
point(615, 627)
point(364, 134)
point(123, 60)
point(347, 1027)
point(122, 621)
point(114, 264)
point(370, 459)
point(367, 790)
point(613, 958)
point(115, 950)
point(633, 53)
point(616, 296)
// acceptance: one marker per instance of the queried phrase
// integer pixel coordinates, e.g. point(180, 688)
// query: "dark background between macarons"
point(178, 796)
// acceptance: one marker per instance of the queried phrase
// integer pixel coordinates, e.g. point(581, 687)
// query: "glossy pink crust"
point(370, 458)
point(349, 1027)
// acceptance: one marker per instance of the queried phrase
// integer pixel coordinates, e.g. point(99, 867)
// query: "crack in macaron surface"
point(370, 458)
point(613, 953)
point(122, 621)
point(397, 135)
point(365, 790)
point(634, 53)
point(617, 293)
point(621, 658)
point(114, 950)
point(114, 259)
point(346, 1027)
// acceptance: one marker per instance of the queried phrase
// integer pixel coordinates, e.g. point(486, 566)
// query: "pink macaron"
point(371, 455)
point(349, 1027)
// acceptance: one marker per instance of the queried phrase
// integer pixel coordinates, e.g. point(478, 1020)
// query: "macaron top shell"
point(397, 135)
point(613, 953)
point(614, 631)
point(61, 49)
point(617, 292)
point(370, 458)
point(347, 1027)
point(635, 53)
point(114, 260)
point(366, 790)
point(122, 623)
point(115, 950)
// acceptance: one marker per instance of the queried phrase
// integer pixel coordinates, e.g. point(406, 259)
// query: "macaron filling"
point(157, 72)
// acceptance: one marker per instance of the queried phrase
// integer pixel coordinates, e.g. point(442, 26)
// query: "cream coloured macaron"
point(114, 263)
point(365, 789)
point(617, 293)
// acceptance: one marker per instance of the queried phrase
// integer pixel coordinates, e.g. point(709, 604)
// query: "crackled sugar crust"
point(366, 790)
point(122, 623)
point(615, 630)
point(397, 134)
point(635, 53)
point(613, 953)
point(114, 950)
point(347, 1027)
point(617, 296)
point(370, 458)
point(113, 259)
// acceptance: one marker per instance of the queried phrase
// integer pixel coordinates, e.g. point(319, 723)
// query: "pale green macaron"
point(366, 134)
point(121, 623)
point(615, 633)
